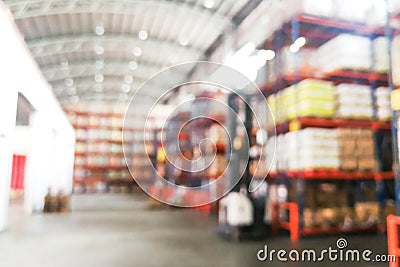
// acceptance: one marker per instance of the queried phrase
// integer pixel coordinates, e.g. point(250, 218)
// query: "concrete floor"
point(119, 231)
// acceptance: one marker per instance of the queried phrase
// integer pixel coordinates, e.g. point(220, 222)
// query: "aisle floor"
point(120, 231)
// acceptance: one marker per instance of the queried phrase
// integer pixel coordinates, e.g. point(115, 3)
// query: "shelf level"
point(339, 175)
point(100, 167)
point(318, 30)
point(305, 122)
point(337, 77)
point(340, 25)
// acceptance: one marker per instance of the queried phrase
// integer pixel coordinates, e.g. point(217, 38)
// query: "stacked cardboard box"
point(356, 149)
point(366, 213)
point(312, 148)
point(322, 195)
point(328, 217)
point(354, 101)
point(384, 110)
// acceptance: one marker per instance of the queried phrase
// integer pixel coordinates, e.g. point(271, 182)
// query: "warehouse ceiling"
point(104, 49)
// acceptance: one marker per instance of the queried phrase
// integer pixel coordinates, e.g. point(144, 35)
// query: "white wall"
point(22, 140)
point(20, 73)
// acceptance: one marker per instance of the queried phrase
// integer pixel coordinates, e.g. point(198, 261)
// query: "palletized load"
point(356, 149)
point(312, 148)
point(281, 153)
point(354, 101)
point(381, 54)
point(310, 98)
point(383, 107)
point(396, 60)
point(370, 12)
point(345, 51)
point(272, 153)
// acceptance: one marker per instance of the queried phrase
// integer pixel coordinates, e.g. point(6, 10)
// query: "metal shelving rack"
point(318, 30)
point(88, 173)
point(389, 31)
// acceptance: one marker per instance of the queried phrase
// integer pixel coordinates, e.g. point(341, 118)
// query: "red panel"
point(18, 172)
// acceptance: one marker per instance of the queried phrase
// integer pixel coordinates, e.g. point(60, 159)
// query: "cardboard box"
point(348, 163)
point(366, 164)
point(347, 149)
point(367, 213)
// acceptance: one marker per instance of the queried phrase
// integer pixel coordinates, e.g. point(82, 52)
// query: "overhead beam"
point(35, 8)
point(74, 69)
point(72, 42)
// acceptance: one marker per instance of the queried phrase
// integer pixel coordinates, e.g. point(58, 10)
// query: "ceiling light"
point(133, 65)
point(294, 48)
point(74, 99)
point(128, 79)
point(266, 54)
point(99, 78)
point(69, 82)
point(125, 88)
point(99, 64)
point(183, 41)
point(99, 30)
point(99, 50)
point(143, 35)
point(72, 90)
point(137, 51)
point(300, 42)
point(209, 3)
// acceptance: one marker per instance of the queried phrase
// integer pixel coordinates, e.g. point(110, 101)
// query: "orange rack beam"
point(393, 223)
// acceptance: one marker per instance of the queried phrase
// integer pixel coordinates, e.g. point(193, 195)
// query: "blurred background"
point(109, 158)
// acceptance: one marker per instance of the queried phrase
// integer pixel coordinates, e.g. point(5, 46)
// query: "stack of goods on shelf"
point(271, 158)
point(348, 149)
point(326, 168)
point(314, 98)
point(396, 60)
point(309, 98)
point(384, 110)
point(345, 51)
point(356, 149)
point(312, 148)
point(372, 12)
point(218, 166)
point(353, 101)
point(317, 98)
point(218, 135)
point(327, 205)
point(99, 158)
point(302, 61)
point(381, 55)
